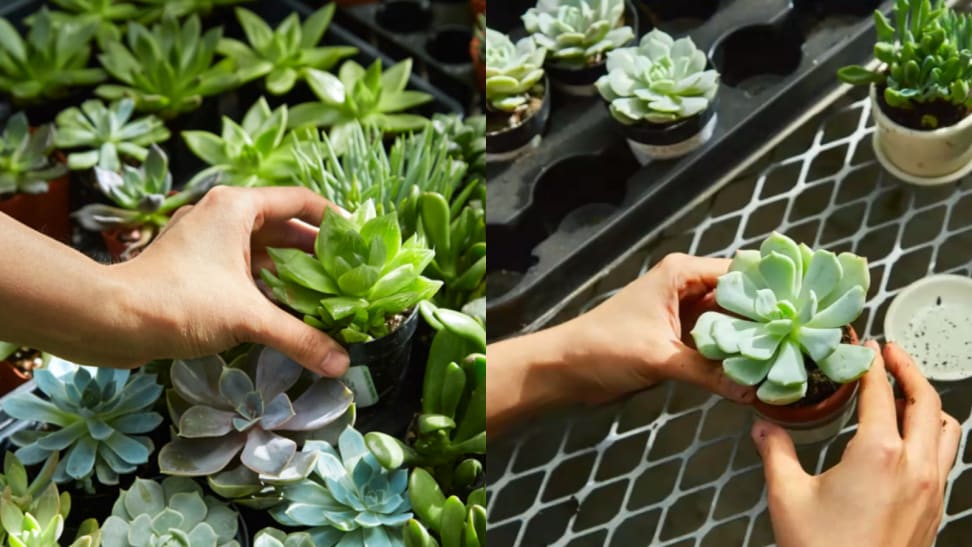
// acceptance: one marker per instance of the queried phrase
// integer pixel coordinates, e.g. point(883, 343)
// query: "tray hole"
point(687, 514)
point(730, 533)
point(641, 410)
point(569, 477)
point(724, 418)
point(636, 530)
point(600, 505)
point(450, 45)
point(516, 498)
point(740, 493)
point(923, 227)
point(591, 430)
point(621, 457)
point(758, 57)
point(954, 252)
point(678, 17)
point(404, 16)
point(550, 523)
point(707, 464)
point(675, 436)
point(594, 539)
point(654, 485)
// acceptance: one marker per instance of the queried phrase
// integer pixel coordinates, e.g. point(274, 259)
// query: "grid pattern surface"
point(675, 465)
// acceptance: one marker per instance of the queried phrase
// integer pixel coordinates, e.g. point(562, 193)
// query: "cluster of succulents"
point(577, 33)
point(26, 158)
point(514, 73)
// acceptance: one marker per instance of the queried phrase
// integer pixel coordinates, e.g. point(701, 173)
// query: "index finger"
point(921, 424)
point(288, 202)
point(695, 275)
point(876, 411)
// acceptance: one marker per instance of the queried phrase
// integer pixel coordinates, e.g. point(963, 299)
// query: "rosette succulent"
point(454, 523)
point(661, 81)
point(349, 499)
point(789, 307)
point(271, 537)
point(513, 72)
point(175, 512)
point(26, 159)
point(106, 135)
point(96, 416)
point(577, 33)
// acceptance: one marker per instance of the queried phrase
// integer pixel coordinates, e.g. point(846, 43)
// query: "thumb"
point(690, 366)
point(310, 347)
point(781, 466)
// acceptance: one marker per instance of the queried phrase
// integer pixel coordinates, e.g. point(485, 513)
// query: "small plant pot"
point(925, 157)
point(11, 377)
point(378, 367)
point(126, 243)
point(48, 213)
point(649, 141)
point(509, 143)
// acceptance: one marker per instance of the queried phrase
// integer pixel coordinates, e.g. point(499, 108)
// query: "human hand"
point(193, 288)
point(889, 486)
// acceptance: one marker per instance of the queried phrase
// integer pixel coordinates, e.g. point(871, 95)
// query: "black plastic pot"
point(509, 140)
point(670, 140)
point(387, 359)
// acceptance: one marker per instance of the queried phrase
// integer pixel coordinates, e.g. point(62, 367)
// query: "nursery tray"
point(674, 465)
point(561, 213)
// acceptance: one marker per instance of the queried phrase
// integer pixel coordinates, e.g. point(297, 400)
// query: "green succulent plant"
point(52, 59)
point(577, 33)
point(466, 138)
point(349, 499)
point(106, 135)
point(96, 416)
point(661, 81)
point(175, 512)
point(455, 523)
point(26, 159)
point(282, 55)
point(271, 537)
point(789, 301)
point(927, 56)
point(153, 10)
point(251, 411)
point(107, 15)
point(167, 70)
point(513, 72)
point(258, 152)
point(370, 96)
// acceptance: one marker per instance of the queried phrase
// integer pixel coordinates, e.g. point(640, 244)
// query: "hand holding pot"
point(889, 486)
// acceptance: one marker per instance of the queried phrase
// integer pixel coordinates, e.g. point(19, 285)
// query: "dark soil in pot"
point(506, 132)
point(944, 112)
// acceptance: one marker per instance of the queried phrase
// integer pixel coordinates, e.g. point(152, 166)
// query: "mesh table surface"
point(675, 465)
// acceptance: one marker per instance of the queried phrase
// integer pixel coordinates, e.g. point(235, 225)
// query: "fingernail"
point(335, 364)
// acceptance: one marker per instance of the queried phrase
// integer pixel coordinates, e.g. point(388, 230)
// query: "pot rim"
point(882, 119)
point(544, 105)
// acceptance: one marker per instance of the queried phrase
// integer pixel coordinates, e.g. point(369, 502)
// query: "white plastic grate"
point(675, 465)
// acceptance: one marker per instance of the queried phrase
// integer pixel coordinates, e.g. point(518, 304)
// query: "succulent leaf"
point(104, 134)
point(26, 158)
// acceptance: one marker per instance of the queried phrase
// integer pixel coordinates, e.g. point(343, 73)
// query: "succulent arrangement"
point(449, 519)
point(175, 512)
point(165, 75)
point(513, 72)
point(281, 56)
point(96, 416)
point(577, 33)
point(106, 135)
point(660, 81)
point(26, 159)
point(349, 498)
point(790, 304)
point(927, 56)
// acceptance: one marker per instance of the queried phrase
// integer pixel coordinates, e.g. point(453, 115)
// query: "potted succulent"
point(577, 34)
point(105, 135)
point(661, 95)
point(921, 95)
point(786, 327)
point(33, 185)
point(517, 96)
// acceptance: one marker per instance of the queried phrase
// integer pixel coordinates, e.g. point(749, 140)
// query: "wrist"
point(138, 317)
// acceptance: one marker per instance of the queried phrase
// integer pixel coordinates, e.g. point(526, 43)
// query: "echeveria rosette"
point(106, 134)
point(513, 72)
point(349, 499)
point(662, 80)
point(26, 158)
point(272, 537)
point(577, 32)
point(788, 301)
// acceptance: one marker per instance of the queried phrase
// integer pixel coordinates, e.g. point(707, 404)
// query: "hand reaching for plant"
point(889, 486)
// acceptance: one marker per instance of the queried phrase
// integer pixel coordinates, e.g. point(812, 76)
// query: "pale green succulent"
point(271, 537)
point(513, 72)
point(173, 513)
point(105, 134)
point(578, 33)
point(788, 301)
point(97, 416)
point(349, 499)
point(33, 515)
point(661, 81)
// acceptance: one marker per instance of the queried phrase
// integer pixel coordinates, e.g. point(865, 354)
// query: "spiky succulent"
point(466, 138)
point(106, 135)
point(513, 72)
point(283, 54)
point(578, 33)
point(49, 62)
point(927, 55)
point(26, 159)
point(788, 301)
point(271, 537)
point(167, 69)
point(160, 9)
point(449, 519)
point(370, 96)
point(349, 499)
point(253, 410)
point(175, 512)
point(661, 81)
point(95, 416)
point(362, 276)
point(258, 152)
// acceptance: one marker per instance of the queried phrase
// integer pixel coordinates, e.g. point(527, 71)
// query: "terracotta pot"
point(48, 213)
point(11, 377)
point(479, 63)
point(477, 7)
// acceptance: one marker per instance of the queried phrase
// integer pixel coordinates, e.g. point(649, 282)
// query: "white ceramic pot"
point(924, 157)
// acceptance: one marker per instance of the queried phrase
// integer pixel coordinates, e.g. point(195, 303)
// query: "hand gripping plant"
point(513, 73)
point(455, 523)
point(174, 512)
point(787, 302)
point(578, 33)
point(106, 135)
point(283, 54)
point(96, 416)
point(26, 163)
point(660, 81)
point(349, 499)
point(255, 410)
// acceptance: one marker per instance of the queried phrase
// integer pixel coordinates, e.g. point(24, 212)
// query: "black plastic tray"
point(561, 213)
